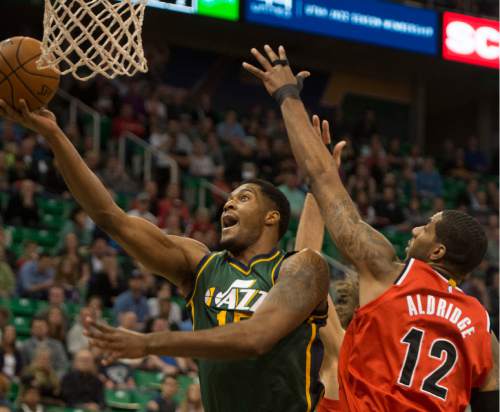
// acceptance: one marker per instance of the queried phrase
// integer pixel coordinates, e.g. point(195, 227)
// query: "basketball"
point(19, 76)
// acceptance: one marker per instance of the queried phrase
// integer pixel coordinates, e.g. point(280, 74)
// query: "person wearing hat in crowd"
point(133, 299)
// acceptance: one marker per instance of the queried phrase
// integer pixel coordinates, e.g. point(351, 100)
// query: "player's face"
point(242, 220)
point(424, 240)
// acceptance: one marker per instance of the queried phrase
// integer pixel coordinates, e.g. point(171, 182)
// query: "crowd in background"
point(394, 183)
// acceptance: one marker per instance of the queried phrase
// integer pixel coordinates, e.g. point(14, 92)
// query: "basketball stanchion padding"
point(90, 37)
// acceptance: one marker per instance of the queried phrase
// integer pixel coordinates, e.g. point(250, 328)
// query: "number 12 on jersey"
point(439, 348)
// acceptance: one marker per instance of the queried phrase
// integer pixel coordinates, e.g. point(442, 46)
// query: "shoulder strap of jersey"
point(277, 268)
point(405, 272)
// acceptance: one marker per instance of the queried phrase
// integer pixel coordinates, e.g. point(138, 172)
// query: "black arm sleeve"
point(484, 401)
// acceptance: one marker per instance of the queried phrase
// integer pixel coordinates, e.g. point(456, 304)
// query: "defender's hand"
point(115, 343)
point(323, 129)
point(41, 121)
point(274, 75)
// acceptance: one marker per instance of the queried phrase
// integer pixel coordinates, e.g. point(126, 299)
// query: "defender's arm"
point(370, 252)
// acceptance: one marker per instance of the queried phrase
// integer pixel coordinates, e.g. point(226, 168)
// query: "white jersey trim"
point(406, 272)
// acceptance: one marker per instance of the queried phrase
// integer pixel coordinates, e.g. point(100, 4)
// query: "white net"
point(90, 37)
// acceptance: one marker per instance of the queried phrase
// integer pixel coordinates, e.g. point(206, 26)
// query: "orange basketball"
point(19, 76)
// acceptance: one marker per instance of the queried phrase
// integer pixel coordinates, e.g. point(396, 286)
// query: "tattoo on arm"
point(302, 283)
point(365, 247)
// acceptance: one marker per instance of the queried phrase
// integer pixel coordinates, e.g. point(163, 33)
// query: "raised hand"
point(41, 121)
point(323, 130)
point(115, 343)
point(277, 72)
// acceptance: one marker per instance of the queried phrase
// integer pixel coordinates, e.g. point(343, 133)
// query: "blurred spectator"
point(30, 400)
point(118, 375)
point(362, 181)
point(200, 163)
point(142, 206)
point(57, 324)
point(202, 222)
point(192, 402)
point(103, 272)
point(459, 170)
point(72, 276)
point(128, 320)
point(365, 209)
point(366, 126)
point(36, 277)
point(172, 204)
point(75, 339)
point(22, 209)
point(413, 214)
point(162, 306)
point(4, 318)
point(11, 362)
point(30, 252)
point(295, 196)
point(40, 338)
point(151, 188)
point(81, 387)
point(7, 277)
point(5, 405)
point(429, 182)
point(230, 128)
point(475, 160)
point(127, 122)
point(165, 402)
point(133, 300)
point(115, 177)
point(78, 225)
point(41, 374)
point(388, 211)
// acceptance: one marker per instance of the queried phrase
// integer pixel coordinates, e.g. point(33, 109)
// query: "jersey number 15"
point(439, 347)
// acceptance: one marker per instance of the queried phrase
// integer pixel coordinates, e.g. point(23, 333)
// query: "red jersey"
point(328, 405)
point(420, 346)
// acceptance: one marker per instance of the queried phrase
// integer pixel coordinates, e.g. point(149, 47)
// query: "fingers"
point(282, 53)
point(8, 111)
point(325, 132)
point(316, 124)
point(270, 53)
point(254, 70)
point(25, 111)
point(304, 74)
point(337, 152)
point(261, 59)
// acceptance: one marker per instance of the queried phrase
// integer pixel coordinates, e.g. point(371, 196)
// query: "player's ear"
point(272, 218)
point(437, 252)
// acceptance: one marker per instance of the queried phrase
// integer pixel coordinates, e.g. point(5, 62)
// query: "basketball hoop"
point(90, 37)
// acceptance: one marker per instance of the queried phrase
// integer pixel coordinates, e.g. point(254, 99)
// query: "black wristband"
point(288, 90)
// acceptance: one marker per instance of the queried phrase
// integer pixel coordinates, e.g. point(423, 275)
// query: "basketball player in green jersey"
point(269, 362)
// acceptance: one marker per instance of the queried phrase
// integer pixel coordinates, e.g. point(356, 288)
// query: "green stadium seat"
point(23, 306)
point(184, 382)
point(22, 325)
point(148, 380)
point(53, 222)
point(51, 206)
point(143, 397)
point(13, 392)
point(46, 238)
point(120, 399)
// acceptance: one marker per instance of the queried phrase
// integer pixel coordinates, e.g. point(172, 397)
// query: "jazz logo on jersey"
point(240, 296)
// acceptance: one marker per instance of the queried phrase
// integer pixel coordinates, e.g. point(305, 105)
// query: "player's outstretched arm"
point(370, 252)
point(173, 257)
point(486, 398)
point(283, 310)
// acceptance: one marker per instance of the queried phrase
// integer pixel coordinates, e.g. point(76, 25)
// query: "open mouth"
point(229, 221)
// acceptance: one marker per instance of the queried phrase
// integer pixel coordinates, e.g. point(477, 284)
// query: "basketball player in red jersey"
point(417, 343)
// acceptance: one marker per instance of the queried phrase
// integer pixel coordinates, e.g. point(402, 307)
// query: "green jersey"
point(286, 378)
